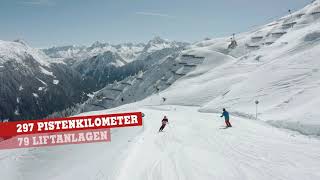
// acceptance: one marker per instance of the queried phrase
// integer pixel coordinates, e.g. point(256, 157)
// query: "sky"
point(47, 23)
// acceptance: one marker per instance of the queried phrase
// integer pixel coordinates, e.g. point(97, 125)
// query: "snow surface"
point(44, 83)
point(16, 112)
point(44, 71)
point(283, 76)
point(192, 146)
point(16, 50)
point(55, 81)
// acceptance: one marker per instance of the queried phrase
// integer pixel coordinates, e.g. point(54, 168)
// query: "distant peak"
point(157, 40)
point(21, 41)
point(98, 44)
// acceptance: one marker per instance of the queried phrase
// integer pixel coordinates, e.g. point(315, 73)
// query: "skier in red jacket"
point(164, 123)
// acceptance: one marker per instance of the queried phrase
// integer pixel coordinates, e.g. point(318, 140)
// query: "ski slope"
point(194, 148)
point(198, 148)
point(276, 64)
point(281, 69)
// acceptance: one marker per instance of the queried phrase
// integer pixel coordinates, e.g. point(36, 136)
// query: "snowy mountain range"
point(154, 79)
point(33, 85)
point(126, 52)
point(31, 78)
point(106, 63)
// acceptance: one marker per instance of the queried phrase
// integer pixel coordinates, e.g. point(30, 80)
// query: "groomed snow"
point(192, 146)
point(283, 76)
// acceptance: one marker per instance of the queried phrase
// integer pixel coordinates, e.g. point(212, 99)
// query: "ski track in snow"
point(188, 149)
point(198, 149)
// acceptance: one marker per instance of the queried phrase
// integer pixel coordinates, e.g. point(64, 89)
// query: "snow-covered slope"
point(159, 75)
point(134, 88)
point(104, 63)
point(33, 85)
point(192, 146)
point(109, 66)
point(18, 50)
point(283, 76)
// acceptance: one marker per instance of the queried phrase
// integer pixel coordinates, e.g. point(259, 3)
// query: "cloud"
point(154, 14)
point(38, 3)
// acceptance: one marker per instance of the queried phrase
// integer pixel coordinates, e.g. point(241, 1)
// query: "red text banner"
point(56, 138)
point(104, 121)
